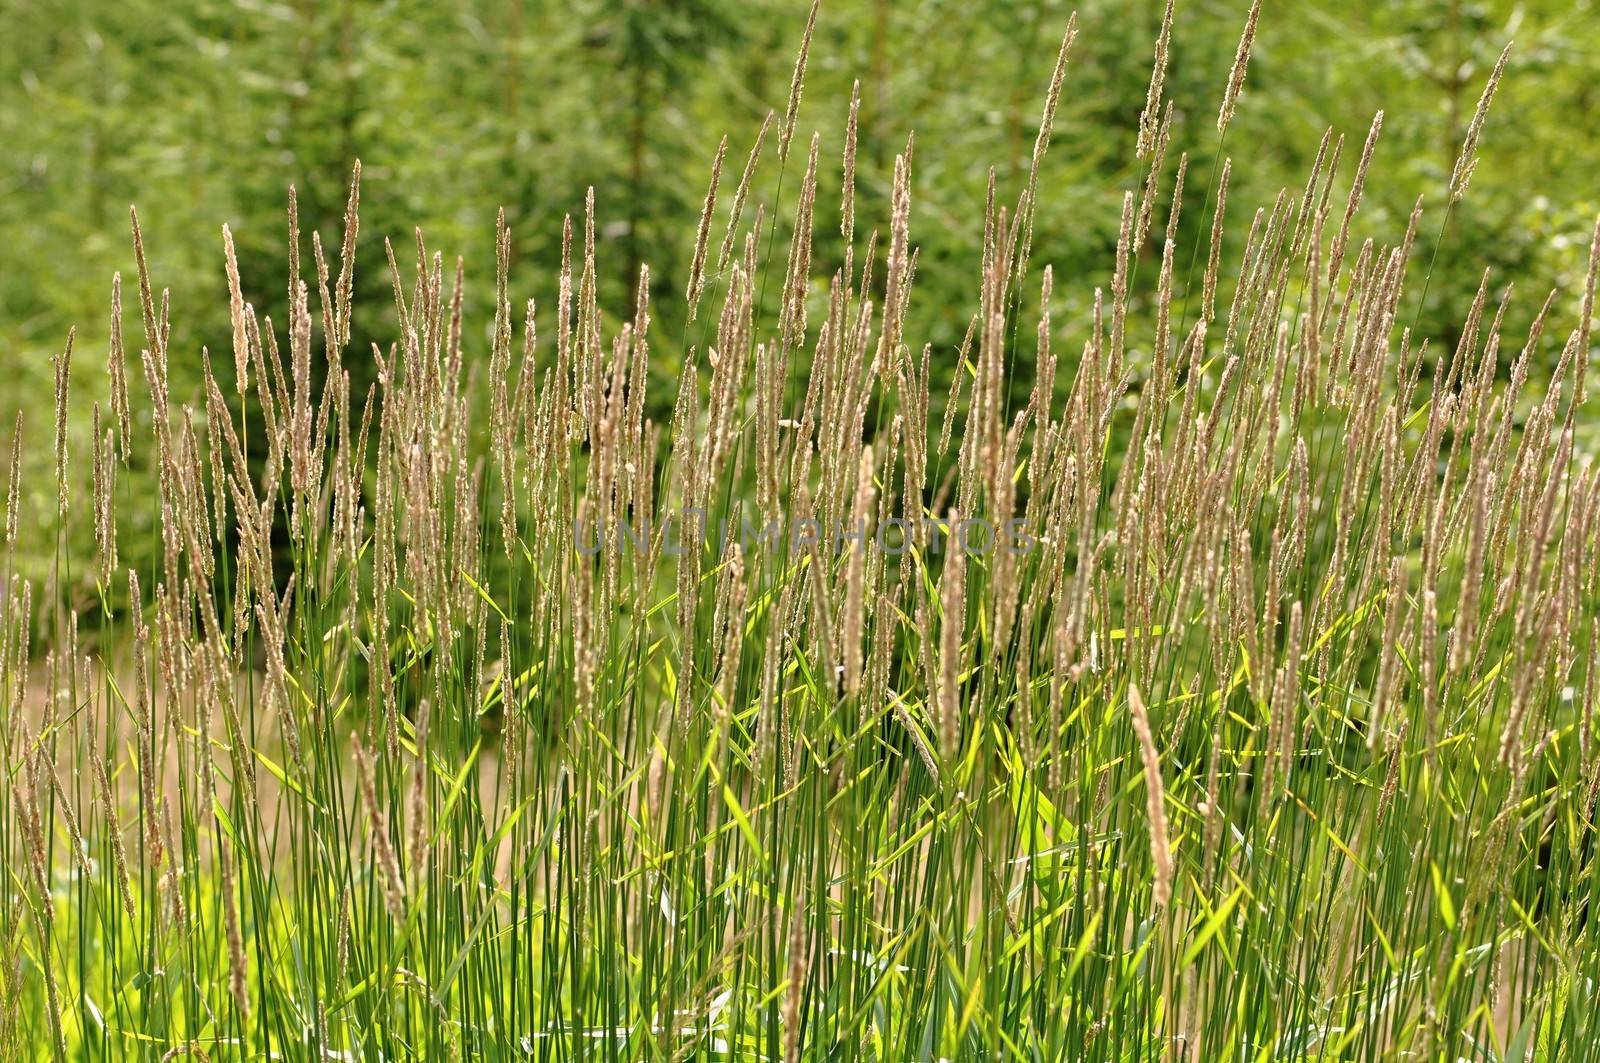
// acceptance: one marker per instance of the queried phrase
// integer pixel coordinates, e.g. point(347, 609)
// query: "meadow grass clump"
point(1221, 690)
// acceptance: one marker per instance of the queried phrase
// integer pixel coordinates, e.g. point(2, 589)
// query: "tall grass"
point(1271, 739)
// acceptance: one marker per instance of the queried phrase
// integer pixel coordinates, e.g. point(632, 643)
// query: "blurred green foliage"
point(204, 111)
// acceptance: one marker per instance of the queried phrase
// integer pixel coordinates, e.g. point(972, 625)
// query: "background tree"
point(206, 111)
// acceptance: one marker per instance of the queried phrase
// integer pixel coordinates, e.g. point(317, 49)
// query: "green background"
point(203, 112)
